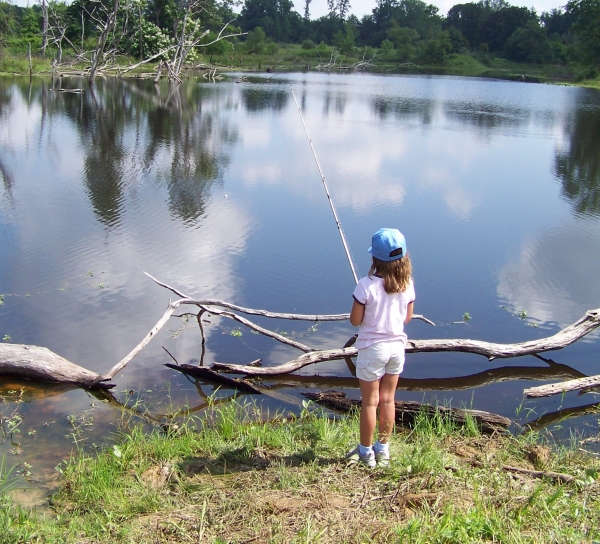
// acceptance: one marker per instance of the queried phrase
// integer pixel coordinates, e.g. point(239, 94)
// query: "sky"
point(359, 8)
point(364, 7)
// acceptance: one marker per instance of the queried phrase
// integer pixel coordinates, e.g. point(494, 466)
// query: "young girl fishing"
point(383, 303)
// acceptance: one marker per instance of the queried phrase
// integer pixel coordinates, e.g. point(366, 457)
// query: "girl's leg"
point(387, 408)
point(368, 410)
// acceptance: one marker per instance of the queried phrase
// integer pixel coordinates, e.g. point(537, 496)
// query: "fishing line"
point(337, 221)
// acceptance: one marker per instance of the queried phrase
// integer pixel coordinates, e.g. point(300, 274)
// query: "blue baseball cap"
point(384, 242)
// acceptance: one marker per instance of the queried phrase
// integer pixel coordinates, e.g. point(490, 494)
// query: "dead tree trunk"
point(107, 28)
point(408, 411)
point(41, 364)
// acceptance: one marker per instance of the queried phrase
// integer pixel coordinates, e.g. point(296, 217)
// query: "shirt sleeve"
point(360, 292)
point(410, 292)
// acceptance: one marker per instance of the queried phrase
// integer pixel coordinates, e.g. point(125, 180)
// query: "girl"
point(383, 303)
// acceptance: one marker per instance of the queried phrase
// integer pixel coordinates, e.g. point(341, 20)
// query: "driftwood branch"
point(567, 336)
point(408, 411)
point(588, 382)
point(265, 313)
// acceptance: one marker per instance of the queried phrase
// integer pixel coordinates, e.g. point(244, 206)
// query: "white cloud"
point(261, 173)
point(555, 276)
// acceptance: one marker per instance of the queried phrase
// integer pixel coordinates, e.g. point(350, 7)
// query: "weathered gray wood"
point(407, 411)
point(570, 334)
point(254, 311)
point(291, 366)
point(563, 387)
point(41, 364)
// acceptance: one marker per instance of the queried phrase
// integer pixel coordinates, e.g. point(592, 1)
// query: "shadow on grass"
point(245, 460)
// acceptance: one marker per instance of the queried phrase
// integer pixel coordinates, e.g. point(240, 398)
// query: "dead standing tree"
point(105, 18)
point(40, 364)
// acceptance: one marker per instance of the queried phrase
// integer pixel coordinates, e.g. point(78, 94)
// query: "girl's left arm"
point(409, 312)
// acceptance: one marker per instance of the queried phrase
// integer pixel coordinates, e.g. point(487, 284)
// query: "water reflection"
point(404, 109)
point(486, 116)
point(550, 277)
point(128, 129)
point(578, 166)
point(257, 98)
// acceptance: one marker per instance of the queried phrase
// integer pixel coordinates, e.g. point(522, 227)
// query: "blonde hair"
point(395, 274)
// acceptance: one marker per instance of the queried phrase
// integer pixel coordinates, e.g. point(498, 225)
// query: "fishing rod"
point(337, 221)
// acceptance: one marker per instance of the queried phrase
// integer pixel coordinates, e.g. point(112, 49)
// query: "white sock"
point(381, 447)
point(364, 450)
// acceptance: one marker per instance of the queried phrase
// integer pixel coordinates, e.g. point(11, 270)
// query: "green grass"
point(232, 477)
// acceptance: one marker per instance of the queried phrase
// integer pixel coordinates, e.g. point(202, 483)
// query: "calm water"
point(212, 188)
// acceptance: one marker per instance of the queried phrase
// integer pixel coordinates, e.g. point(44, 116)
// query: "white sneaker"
point(368, 459)
point(382, 458)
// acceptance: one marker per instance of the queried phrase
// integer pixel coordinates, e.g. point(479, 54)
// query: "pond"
point(212, 188)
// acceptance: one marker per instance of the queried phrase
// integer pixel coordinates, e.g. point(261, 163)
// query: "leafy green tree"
point(557, 21)
point(153, 39)
point(458, 41)
point(7, 21)
point(436, 50)
point(338, 8)
point(469, 20)
point(586, 29)
point(529, 44)
point(405, 39)
point(31, 23)
point(255, 42)
point(413, 14)
point(345, 40)
point(501, 24)
point(275, 17)
point(386, 47)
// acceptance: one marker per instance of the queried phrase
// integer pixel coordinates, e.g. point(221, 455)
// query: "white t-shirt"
point(384, 313)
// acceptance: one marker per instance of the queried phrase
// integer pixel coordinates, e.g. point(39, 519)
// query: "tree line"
point(398, 30)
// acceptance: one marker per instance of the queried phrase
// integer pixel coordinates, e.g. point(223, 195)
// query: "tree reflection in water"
point(132, 130)
point(578, 167)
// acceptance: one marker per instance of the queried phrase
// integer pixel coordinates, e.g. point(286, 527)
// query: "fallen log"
point(407, 411)
point(589, 322)
point(41, 364)
point(588, 382)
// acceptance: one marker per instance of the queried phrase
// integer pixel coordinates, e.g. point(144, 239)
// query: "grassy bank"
point(231, 478)
point(292, 57)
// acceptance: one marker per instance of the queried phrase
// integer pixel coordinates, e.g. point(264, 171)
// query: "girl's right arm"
point(409, 312)
point(357, 313)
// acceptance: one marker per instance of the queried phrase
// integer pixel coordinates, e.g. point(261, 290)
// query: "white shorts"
point(378, 359)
